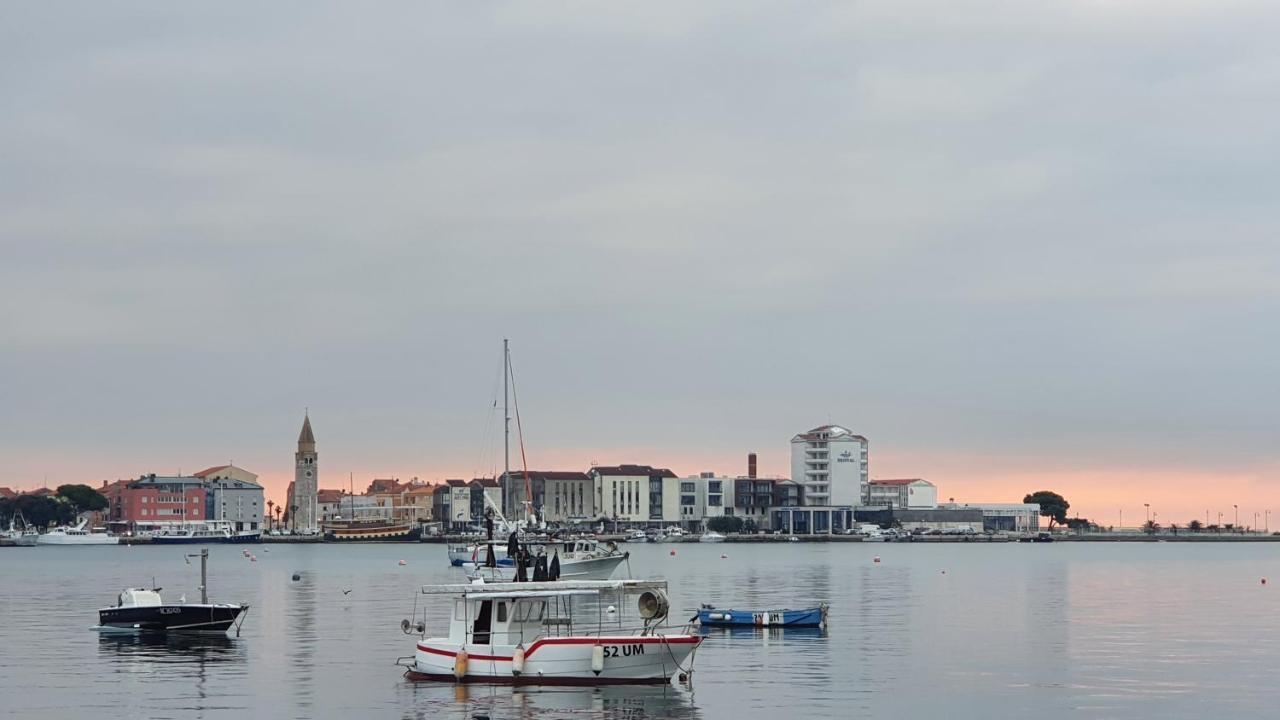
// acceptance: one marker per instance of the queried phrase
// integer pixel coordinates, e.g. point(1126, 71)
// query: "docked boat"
point(581, 559)
point(21, 537)
point(143, 610)
point(672, 534)
point(77, 535)
point(637, 536)
point(204, 534)
point(711, 536)
point(710, 616)
point(552, 634)
point(371, 531)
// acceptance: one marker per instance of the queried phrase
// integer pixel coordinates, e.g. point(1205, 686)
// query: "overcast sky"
point(1014, 244)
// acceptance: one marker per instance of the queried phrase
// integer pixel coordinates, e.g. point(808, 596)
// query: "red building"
point(155, 500)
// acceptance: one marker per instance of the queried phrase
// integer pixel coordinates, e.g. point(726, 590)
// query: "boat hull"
point(627, 660)
point(206, 540)
point(87, 539)
point(171, 618)
point(809, 617)
point(461, 555)
point(589, 569)
point(383, 533)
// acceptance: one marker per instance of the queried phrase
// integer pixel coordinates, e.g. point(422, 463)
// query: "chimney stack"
point(751, 465)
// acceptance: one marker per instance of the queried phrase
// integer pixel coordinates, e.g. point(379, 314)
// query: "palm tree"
point(279, 512)
point(1195, 526)
point(1173, 528)
point(1151, 527)
point(270, 505)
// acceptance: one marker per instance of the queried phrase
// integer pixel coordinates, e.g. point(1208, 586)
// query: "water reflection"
point(469, 702)
point(169, 649)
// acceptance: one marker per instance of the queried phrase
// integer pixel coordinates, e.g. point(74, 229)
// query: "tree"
point(270, 506)
point(749, 526)
point(1173, 528)
point(6, 511)
point(1052, 505)
point(1195, 526)
point(41, 511)
point(725, 524)
point(1079, 523)
point(1151, 528)
point(83, 498)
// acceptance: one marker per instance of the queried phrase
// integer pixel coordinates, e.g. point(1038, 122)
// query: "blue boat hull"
point(809, 617)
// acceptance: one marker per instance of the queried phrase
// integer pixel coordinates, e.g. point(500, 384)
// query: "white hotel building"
point(831, 463)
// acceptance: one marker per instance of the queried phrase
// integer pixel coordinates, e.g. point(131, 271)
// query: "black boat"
point(143, 610)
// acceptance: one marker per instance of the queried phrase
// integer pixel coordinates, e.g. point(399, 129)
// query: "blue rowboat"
point(711, 616)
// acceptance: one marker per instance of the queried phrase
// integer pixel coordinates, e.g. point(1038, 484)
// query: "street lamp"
point(1255, 520)
point(1237, 525)
point(1219, 521)
point(1266, 521)
point(1148, 507)
point(1121, 524)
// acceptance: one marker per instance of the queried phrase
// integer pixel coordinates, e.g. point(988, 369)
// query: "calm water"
point(1160, 630)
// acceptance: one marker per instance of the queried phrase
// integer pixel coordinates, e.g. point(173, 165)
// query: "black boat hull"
point(172, 618)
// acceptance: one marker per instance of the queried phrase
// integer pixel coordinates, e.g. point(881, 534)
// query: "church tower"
point(306, 481)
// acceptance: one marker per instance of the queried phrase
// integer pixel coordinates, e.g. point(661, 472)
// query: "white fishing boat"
point(581, 559)
point(711, 536)
point(637, 536)
point(76, 535)
point(21, 537)
point(552, 634)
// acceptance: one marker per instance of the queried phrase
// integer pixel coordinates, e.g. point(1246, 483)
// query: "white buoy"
point(253, 558)
point(597, 659)
point(402, 562)
point(611, 609)
point(876, 559)
point(723, 556)
point(517, 660)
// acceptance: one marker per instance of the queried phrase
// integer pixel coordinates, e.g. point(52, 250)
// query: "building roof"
point(486, 482)
point(38, 492)
point(557, 475)
point(209, 471)
point(384, 485)
point(306, 436)
point(455, 482)
point(631, 470)
point(330, 496)
point(831, 432)
point(7, 493)
point(900, 481)
point(425, 489)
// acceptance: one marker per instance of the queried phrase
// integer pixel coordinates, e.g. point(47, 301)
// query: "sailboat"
point(24, 537)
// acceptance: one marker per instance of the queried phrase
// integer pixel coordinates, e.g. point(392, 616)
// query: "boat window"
point(502, 612)
point(459, 610)
point(483, 623)
point(529, 610)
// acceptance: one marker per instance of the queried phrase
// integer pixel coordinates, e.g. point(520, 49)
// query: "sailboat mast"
point(506, 427)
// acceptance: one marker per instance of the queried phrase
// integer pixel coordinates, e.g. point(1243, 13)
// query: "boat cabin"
point(139, 597)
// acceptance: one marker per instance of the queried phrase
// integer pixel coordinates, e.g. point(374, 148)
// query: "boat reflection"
point(763, 633)
point(170, 648)
point(615, 702)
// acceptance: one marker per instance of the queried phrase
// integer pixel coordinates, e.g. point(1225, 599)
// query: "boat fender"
point(517, 660)
point(597, 659)
point(460, 664)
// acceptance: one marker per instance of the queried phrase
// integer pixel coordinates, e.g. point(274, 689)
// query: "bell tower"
point(306, 479)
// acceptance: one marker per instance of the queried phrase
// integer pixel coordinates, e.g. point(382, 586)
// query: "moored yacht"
point(77, 535)
point(711, 536)
point(580, 559)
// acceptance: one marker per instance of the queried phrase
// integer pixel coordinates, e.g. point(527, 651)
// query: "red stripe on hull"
point(416, 676)
point(649, 640)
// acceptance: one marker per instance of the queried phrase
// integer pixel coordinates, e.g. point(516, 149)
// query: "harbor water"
point(1063, 630)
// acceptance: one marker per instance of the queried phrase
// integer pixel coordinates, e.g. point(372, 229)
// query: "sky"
point(1018, 246)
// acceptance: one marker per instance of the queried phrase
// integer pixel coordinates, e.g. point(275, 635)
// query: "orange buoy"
point(460, 664)
point(673, 553)
point(517, 660)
